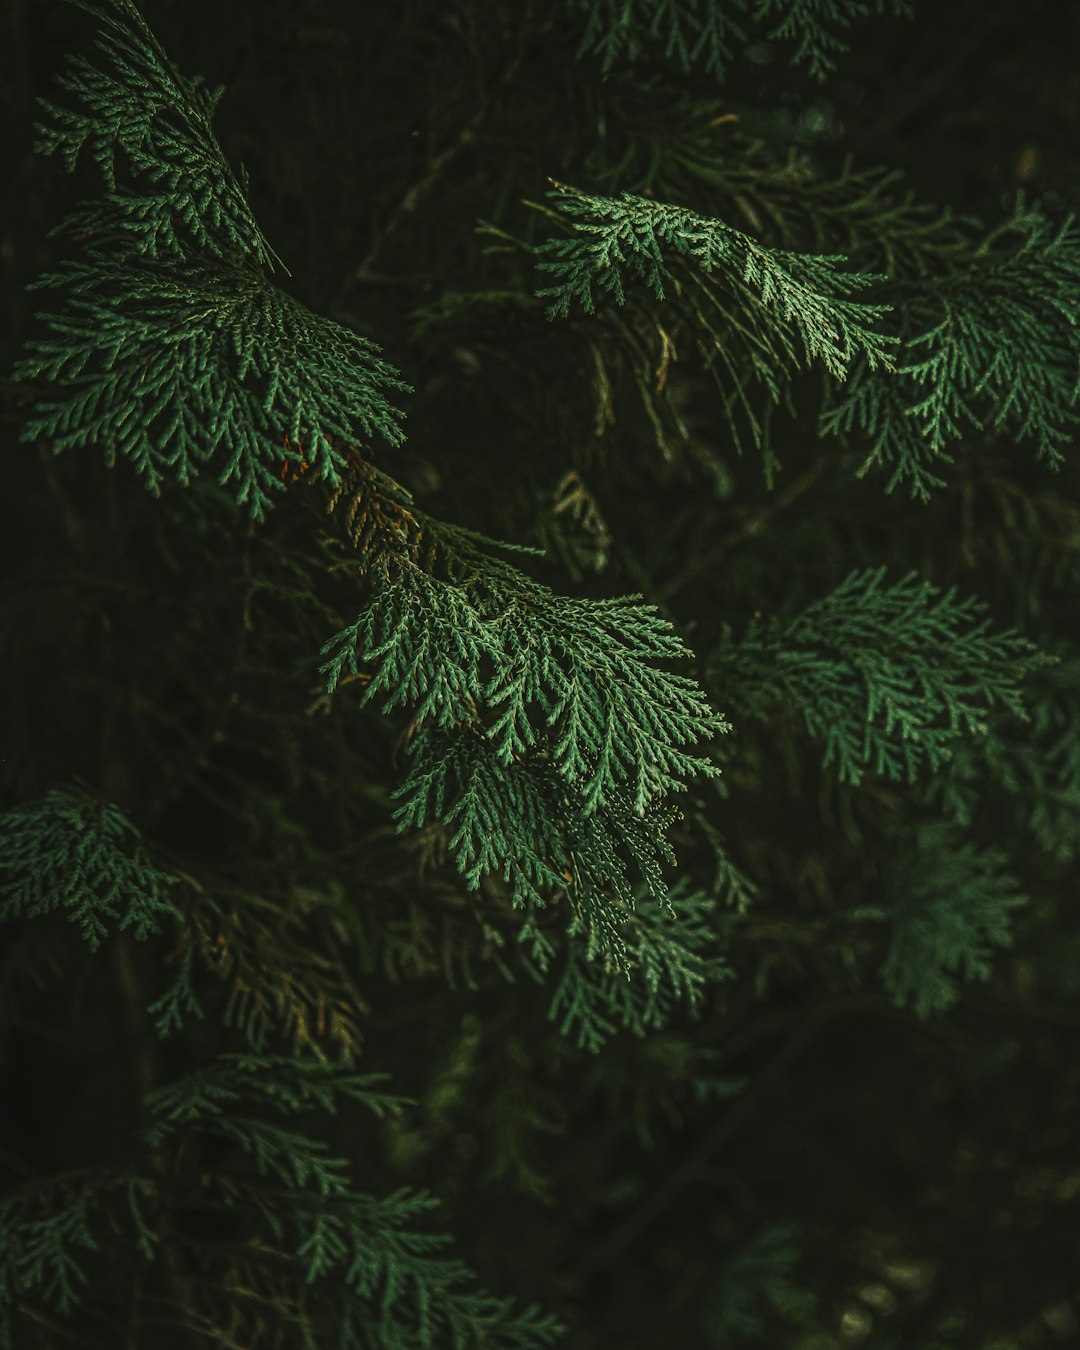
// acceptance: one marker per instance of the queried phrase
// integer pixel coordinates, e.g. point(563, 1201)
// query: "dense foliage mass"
point(541, 741)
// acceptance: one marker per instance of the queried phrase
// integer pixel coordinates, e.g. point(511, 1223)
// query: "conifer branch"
point(669, 961)
point(707, 32)
point(141, 117)
point(889, 678)
point(386, 1279)
point(947, 903)
point(784, 291)
point(515, 810)
point(814, 27)
point(69, 852)
point(180, 367)
point(522, 822)
point(530, 711)
point(279, 984)
point(623, 28)
point(172, 349)
point(1037, 773)
point(993, 346)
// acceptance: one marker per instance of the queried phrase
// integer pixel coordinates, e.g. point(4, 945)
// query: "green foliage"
point(544, 735)
point(814, 26)
point(786, 293)
point(948, 903)
point(1038, 773)
point(418, 1294)
point(758, 1279)
point(570, 679)
point(397, 1287)
point(171, 348)
point(279, 984)
point(70, 852)
point(756, 316)
point(707, 30)
point(176, 362)
point(49, 1232)
point(180, 366)
point(689, 31)
point(355, 889)
point(788, 205)
point(389, 1283)
point(990, 346)
point(43, 1254)
point(889, 678)
point(865, 213)
point(672, 959)
point(288, 1086)
point(521, 821)
point(137, 115)
point(178, 1001)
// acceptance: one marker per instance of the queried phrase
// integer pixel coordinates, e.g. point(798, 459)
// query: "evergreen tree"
point(541, 721)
